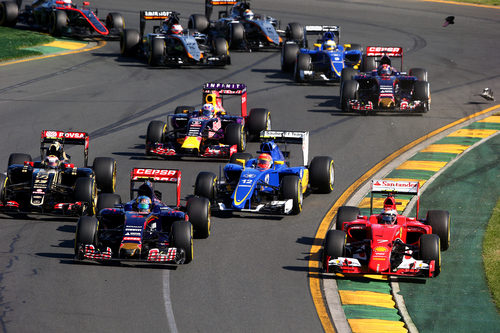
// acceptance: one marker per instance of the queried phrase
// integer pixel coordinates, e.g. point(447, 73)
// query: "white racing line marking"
point(169, 312)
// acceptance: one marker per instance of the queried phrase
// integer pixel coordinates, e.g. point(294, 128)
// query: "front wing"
point(172, 255)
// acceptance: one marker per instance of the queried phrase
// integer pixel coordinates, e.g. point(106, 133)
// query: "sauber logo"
point(155, 172)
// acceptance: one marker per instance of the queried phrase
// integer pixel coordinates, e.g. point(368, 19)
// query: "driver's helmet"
point(55, 149)
point(248, 14)
point(384, 70)
point(67, 2)
point(264, 161)
point(388, 216)
point(208, 110)
point(329, 45)
point(143, 204)
point(176, 29)
point(52, 162)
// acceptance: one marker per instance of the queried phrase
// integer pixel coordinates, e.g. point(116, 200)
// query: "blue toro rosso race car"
point(170, 45)
point(61, 17)
point(243, 29)
point(325, 61)
point(210, 131)
point(267, 184)
point(384, 88)
point(143, 229)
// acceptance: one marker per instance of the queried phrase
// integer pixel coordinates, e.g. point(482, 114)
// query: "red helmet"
point(176, 29)
point(384, 70)
point(264, 161)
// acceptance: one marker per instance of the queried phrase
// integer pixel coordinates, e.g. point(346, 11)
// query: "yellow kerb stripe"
point(422, 165)
point(473, 133)
point(361, 297)
point(66, 45)
point(445, 148)
point(492, 119)
point(376, 326)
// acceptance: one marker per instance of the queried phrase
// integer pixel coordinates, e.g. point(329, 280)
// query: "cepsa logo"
point(155, 172)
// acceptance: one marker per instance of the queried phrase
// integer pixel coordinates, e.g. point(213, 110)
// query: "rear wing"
point(395, 187)
point(156, 176)
point(155, 15)
point(319, 29)
point(292, 137)
point(227, 89)
point(64, 138)
point(390, 51)
point(210, 4)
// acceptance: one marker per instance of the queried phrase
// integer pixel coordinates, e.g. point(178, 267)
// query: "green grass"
point(14, 40)
point(491, 254)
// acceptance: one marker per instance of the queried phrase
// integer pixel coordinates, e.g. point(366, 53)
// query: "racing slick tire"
point(240, 156)
point(440, 222)
point(18, 158)
point(291, 188)
point(422, 92)
point(8, 13)
point(288, 55)
point(347, 73)
point(155, 134)
point(115, 21)
point(198, 210)
point(369, 63)
point(354, 47)
point(105, 174)
point(348, 90)
point(430, 250)
point(86, 233)
point(129, 42)
point(235, 134)
point(236, 35)
point(182, 238)
point(322, 174)
point(205, 185)
point(346, 214)
point(294, 31)
point(198, 22)
point(86, 191)
point(419, 73)
point(156, 52)
point(334, 246)
point(107, 200)
point(303, 62)
point(3, 182)
point(183, 109)
point(220, 47)
point(258, 120)
point(58, 20)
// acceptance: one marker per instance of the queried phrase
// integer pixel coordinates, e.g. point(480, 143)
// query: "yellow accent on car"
point(191, 142)
point(305, 180)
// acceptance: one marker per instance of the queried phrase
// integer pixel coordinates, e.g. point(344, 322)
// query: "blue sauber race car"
point(61, 17)
point(325, 61)
point(384, 88)
point(143, 229)
point(170, 45)
point(267, 184)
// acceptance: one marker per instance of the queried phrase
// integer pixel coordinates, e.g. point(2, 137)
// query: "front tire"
point(334, 246)
point(235, 134)
point(440, 222)
point(18, 158)
point(107, 200)
point(346, 214)
point(348, 91)
point(291, 188)
point(221, 47)
point(205, 185)
point(9, 11)
point(182, 238)
point(236, 34)
point(86, 233)
point(115, 21)
point(240, 156)
point(288, 55)
point(258, 120)
point(294, 31)
point(86, 191)
point(156, 52)
point(347, 73)
point(322, 174)
point(105, 174)
point(303, 63)
point(198, 210)
point(155, 134)
point(198, 22)
point(57, 22)
point(369, 63)
point(422, 92)
point(129, 42)
point(430, 250)
point(419, 73)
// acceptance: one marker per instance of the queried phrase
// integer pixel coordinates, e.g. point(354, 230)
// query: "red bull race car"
point(61, 17)
point(210, 131)
point(145, 229)
point(387, 243)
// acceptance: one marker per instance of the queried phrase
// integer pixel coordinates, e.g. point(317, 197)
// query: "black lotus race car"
point(241, 28)
point(189, 132)
point(143, 229)
point(171, 47)
point(54, 185)
point(61, 17)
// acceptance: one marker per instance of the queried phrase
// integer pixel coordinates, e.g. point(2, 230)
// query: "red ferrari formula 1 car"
point(387, 243)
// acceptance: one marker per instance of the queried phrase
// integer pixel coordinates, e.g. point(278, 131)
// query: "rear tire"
point(156, 52)
point(258, 120)
point(86, 191)
point(220, 47)
point(430, 250)
point(235, 134)
point(291, 188)
point(236, 35)
point(348, 91)
point(18, 158)
point(129, 42)
point(3, 183)
point(182, 237)
point(198, 22)
point(240, 156)
point(288, 56)
point(422, 92)
point(294, 31)
point(107, 200)
point(198, 210)
point(419, 73)
point(57, 22)
point(115, 21)
point(346, 214)
point(105, 174)
point(9, 11)
point(184, 109)
point(347, 74)
point(322, 174)
point(440, 222)
point(86, 233)
point(369, 63)
point(155, 134)
point(303, 63)
point(205, 185)
point(334, 246)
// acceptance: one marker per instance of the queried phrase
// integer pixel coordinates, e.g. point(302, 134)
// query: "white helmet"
point(248, 14)
point(329, 45)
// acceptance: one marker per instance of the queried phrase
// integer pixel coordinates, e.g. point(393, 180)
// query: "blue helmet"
point(143, 204)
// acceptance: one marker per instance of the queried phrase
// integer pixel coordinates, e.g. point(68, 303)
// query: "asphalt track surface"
point(251, 274)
